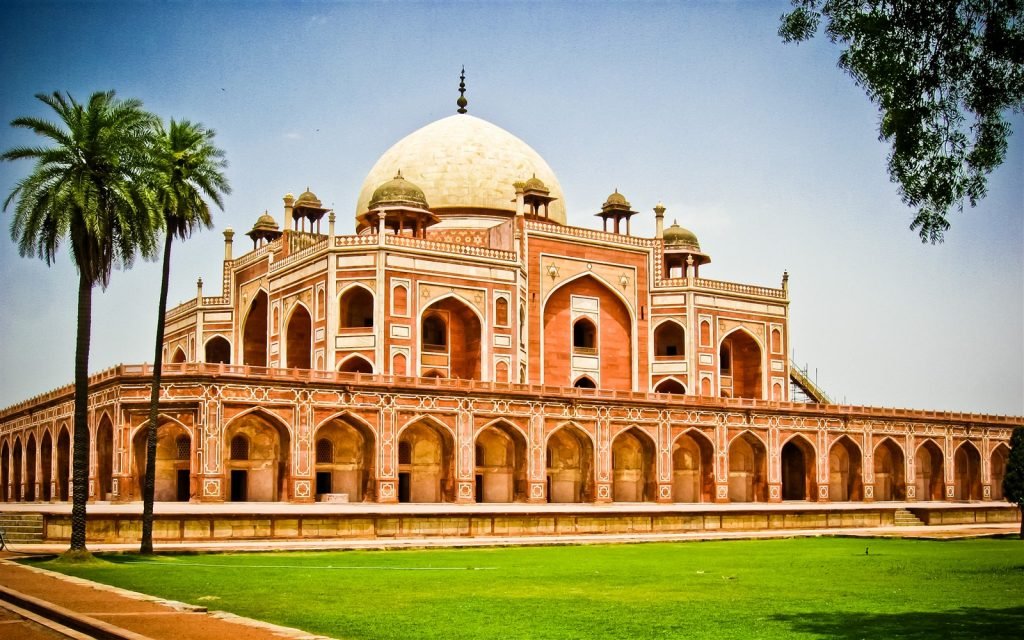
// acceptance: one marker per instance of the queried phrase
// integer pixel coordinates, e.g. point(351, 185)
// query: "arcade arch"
point(46, 467)
point(451, 338)
point(30, 468)
point(16, 459)
point(299, 339)
point(570, 465)
point(740, 372)
point(254, 331)
point(63, 464)
point(967, 464)
point(104, 459)
point(845, 481)
point(500, 456)
point(799, 478)
point(929, 480)
point(1000, 456)
point(889, 471)
point(426, 456)
point(257, 459)
point(173, 475)
point(693, 469)
point(5, 471)
point(748, 477)
point(344, 458)
point(633, 467)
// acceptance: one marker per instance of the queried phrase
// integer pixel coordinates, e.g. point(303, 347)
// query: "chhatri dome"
point(464, 165)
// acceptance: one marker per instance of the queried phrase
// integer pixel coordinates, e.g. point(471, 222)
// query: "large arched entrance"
point(344, 450)
point(173, 475)
point(425, 463)
point(5, 470)
point(748, 477)
point(889, 475)
point(500, 464)
point(63, 464)
point(799, 480)
point(1000, 456)
point(46, 467)
point(845, 479)
point(299, 339)
point(30, 468)
point(218, 350)
point(254, 332)
point(693, 471)
point(929, 483)
point(740, 365)
point(967, 463)
point(450, 336)
point(591, 317)
point(633, 467)
point(570, 466)
point(105, 459)
point(257, 459)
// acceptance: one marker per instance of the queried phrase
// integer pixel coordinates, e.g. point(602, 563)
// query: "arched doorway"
point(356, 364)
point(63, 464)
point(30, 468)
point(218, 350)
point(173, 476)
point(179, 356)
point(500, 464)
point(570, 466)
point(633, 467)
point(355, 308)
point(450, 335)
point(105, 459)
point(929, 483)
point(845, 481)
point(254, 332)
point(425, 458)
point(889, 476)
point(590, 315)
point(693, 470)
point(748, 477)
point(1000, 456)
point(299, 339)
point(16, 470)
point(967, 463)
point(584, 382)
point(257, 459)
point(5, 471)
point(46, 467)
point(669, 341)
point(740, 365)
point(799, 481)
point(344, 450)
point(670, 385)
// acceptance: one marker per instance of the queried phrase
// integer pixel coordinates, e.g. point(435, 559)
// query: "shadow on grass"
point(957, 624)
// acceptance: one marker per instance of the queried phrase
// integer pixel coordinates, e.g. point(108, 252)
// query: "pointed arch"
point(740, 364)
point(500, 449)
point(298, 342)
point(452, 338)
point(672, 385)
point(669, 340)
point(179, 356)
point(569, 464)
point(217, 350)
point(584, 382)
point(31, 455)
point(254, 330)
point(426, 461)
point(693, 467)
point(889, 464)
point(1000, 457)
point(173, 472)
point(5, 470)
point(16, 460)
point(798, 458)
point(929, 467)
point(345, 449)
point(634, 466)
point(355, 363)
point(63, 463)
point(263, 475)
point(104, 443)
point(748, 470)
point(967, 471)
point(356, 307)
point(845, 471)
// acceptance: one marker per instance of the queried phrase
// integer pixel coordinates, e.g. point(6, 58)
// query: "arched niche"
point(299, 339)
point(426, 454)
point(740, 365)
point(46, 467)
point(344, 450)
point(693, 470)
point(967, 465)
point(669, 341)
point(748, 471)
point(179, 356)
point(104, 459)
point(356, 364)
point(63, 464)
point(16, 461)
point(218, 350)
point(500, 456)
point(584, 382)
point(798, 470)
point(1000, 456)
point(889, 471)
point(929, 480)
point(31, 453)
point(356, 308)
point(845, 475)
point(254, 332)
point(257, 458)
point(633, 467)
point(570, 465)
point(451, 337)
point(670, 385)
point(173, 474)
point(5, 471)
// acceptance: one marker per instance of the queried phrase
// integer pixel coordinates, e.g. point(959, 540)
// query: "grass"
point(791, 588)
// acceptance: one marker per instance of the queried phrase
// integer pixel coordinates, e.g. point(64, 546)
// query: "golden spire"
point(462, 102)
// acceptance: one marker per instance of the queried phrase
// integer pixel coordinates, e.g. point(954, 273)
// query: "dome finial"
point(462, 102)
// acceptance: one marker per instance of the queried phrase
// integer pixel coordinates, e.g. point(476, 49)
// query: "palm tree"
point(185, 167)
point(85, 189)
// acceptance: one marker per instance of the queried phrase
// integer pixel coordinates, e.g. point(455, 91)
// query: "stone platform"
point(205, 522)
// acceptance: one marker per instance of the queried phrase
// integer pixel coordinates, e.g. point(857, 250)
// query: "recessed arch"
point(173, 473)
point(1000, 457)
point(46, 466)
point(5, 470)
point(16, 460)
point(218, 350)
point(672, 385)
point(179, 356)
point(929, 476)
point(31, 454)
point(693, 470)
point(426, 460)
point(584, 382)
point(63, 463)
point(740, 364)
point(797, 457)
point(845, 473)
point(451, 338)
point(967, 467)
point(569, 464)
point(254, 331)
point(500, 462)
point(299, 338)
point(104, 458)
point(669, 340)
point(350, 467)
point(584, 336)
point(356, 305)
point(634, 466)
point(264, 473)
point(748, 471)
point(355, 363)
point(889, 470)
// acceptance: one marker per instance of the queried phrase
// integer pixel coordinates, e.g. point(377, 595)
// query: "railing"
point(590, 234)
point(142, 373)
point(254, 256)
point(355, 241)
point(732, 287)
point(584, 351)
point(299, 256)
point(447, 247)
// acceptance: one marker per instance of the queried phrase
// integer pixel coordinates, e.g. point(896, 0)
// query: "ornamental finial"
point(462, 102)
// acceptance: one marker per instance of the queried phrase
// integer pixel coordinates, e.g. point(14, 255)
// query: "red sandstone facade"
point(466, 347)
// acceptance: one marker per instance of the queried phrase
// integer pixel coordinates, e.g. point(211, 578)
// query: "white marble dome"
point(463, 162)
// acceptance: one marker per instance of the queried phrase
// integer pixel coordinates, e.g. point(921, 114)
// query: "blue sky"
point(767, 151)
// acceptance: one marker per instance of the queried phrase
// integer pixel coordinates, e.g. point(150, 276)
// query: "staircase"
point(798, 378)
point(22, 528)
point(905, 518)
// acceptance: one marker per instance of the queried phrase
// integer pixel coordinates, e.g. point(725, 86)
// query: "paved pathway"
point(142, 617)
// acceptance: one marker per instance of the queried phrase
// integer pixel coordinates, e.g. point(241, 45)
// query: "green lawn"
point(795, 588)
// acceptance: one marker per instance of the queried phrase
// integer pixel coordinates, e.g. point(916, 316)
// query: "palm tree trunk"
point(149, 486)
point(80, 464)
